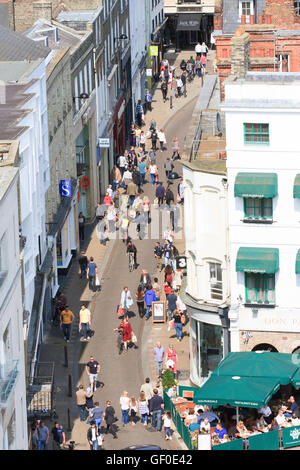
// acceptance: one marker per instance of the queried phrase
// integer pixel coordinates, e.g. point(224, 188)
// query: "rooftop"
point(57, 36)
point(16, 47)
point(79, 16)
point(7, 175)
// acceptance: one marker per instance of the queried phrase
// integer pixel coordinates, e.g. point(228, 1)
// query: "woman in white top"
point(167, 425)
point(133, 411)
point(111, 218)
point(124, 402)
point(162, 139)
point(205, 426)
point(153, 172)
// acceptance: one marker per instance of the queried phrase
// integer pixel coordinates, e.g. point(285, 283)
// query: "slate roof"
point(16, 47)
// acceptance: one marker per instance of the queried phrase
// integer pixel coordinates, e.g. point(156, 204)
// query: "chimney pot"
point(243, 19)
point(252, 21)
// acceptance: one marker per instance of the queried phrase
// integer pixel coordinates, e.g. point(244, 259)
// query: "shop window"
point(258, 208)
point(260, 288)
point(256, 133)
point(59, 254)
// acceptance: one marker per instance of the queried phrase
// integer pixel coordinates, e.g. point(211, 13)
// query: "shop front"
point(83, 156)
point(119, 127)
point(185, 30)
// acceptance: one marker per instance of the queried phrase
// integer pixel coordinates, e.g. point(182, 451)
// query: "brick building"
point(272, 28)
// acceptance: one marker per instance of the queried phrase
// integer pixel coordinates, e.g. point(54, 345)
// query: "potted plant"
point(168, 379)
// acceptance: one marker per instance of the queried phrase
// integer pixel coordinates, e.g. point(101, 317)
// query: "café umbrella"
point(237, 391)
point(263, 364)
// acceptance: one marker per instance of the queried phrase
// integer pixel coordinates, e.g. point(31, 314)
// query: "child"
point(133, 411)
point(194, 436)
point(167, 425)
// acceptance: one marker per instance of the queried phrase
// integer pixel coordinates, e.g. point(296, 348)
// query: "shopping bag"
point(133, 338)
point(97, 282)
point(120, 311)
point(171, 324)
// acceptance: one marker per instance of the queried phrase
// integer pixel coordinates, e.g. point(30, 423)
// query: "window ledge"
point(258, 221)
point(259, 305)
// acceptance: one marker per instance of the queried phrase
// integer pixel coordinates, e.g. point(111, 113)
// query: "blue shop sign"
point(65, 188)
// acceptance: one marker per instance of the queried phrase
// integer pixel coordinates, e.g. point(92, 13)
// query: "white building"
point(13, 419)
point(24, 118)
point(139, 15)
point(262, 114)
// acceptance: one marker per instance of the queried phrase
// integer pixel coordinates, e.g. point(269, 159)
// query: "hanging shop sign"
point(84, 182)
point(65, 188)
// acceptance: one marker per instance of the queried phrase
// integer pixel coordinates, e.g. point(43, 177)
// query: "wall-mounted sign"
point(104, 142)
point(149, 72)
point(153, 51)
point(65, 188)
point(84, 182)
point(181, 262)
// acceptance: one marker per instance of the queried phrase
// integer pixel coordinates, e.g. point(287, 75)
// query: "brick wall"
point(218, 17)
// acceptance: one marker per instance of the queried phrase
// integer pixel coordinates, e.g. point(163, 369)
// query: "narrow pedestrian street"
point(125, 371)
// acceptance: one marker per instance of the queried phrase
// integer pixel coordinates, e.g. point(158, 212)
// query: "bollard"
point(69, 421)
point(184, 91)
point(69, 385)
point(66, 356)
point(171, 101)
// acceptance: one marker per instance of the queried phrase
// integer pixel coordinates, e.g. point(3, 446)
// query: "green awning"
point(298, 262)
point(257, 260)
point(296, 192)
point(237, 391)
point(296, 379)
point(260, 364)
point(262, 185)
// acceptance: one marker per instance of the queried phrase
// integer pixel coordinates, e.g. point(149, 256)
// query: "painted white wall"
point(205, 231)
point(12, 436)
point(138, 38)
point(275, 104)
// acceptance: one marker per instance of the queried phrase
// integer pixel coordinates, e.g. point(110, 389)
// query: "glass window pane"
point(265, 128)
point(268, 208)
point(257, 128)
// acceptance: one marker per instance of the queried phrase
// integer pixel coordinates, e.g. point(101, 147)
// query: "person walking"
point(152, 156)
point(162, 139)
point(178, 324)
point(158, 354)
point(180, 191)
point(43, 436)
point(92, 369)
point(91, 273)
point(81, 402)
point(92, 436)
point(198, 67)
point(131, 248)
point(125, 407)
point(158, 254)
point(164, 90)
point(81, 221)
point(167, 420)
point(83, 262)
point(139, 114)
point(198, 49)
point(175, 148)
point(85, 322)
point(153, 172)
point(133, 408)
point(179, 86)
point(143, 408)
point(126, 300)
point(132, 191)
point(156, 288)
point(89, 400)
point(66, 318)
point(168, 166)
point(155, 409)
point(146, 205)
point(172, 359)
point(154, 138)
point(148, 101)
point(142, 166)
point(142, 142)
point(97, 414)
point(169, 196)
point(58, 436)
point(145, 279)
point(126, 328)
point(140, 300)
point(149, 298)
point(147, 389)
point(203, 63)
point(172, 299)
point(110, 419)
point(160, 193)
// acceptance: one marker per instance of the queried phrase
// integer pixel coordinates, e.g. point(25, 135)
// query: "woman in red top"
point(127, 331)
point(167, 288)
point(107, 201)
point(168, 275)
point(172, 355)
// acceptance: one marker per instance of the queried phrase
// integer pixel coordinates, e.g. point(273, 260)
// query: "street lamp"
point(82, 96)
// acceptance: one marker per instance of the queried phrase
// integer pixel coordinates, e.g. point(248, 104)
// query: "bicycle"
point(131, 261)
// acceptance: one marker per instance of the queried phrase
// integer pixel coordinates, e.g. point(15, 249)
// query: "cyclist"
point(131, 248)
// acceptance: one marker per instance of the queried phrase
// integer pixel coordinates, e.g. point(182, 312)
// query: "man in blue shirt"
point(158, 353)
point(91, 274)
point(149, 298)
point(219, 431)
point(139, 113)
point(43, 436)
point(142, 169)
point(97, 414)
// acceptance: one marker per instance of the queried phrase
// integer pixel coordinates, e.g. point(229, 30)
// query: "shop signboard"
point(65, 188)
point(291, 437)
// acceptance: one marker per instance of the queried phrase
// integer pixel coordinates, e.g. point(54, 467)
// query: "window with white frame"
point(246, 8)
point(215, 281)
point(3, 258)
point(297, 7)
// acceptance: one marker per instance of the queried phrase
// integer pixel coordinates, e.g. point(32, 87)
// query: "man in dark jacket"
point(145, 279)
point(92, 436)
point(131, 248)
point(164, 90)
point(155, 409)
point(158, 253)
point(136, 178)
point(110, 419)
point(160, 193)
point(83, 262)
point(169, 196)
